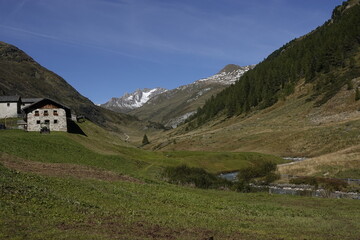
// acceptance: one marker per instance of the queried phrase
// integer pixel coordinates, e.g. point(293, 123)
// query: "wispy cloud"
point(138, 28)
point(74, 43)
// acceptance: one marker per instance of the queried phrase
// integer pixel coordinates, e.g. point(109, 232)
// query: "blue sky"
point(105, 48)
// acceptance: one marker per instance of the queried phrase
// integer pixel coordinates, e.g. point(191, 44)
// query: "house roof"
point(30, 100)
point(9, 98)
point(43, 102)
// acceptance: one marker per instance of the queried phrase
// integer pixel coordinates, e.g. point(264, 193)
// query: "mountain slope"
point(283, 107)
point(324, 58)
point(133, 100)
point(174, 106)
point(21, 75)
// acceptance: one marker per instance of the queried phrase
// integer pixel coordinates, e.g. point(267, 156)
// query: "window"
point(55, 113)
point(46, 113)
point(8, 104)
point(38, 122)
point(55, 121)
point(47, 121)
point(37, 113)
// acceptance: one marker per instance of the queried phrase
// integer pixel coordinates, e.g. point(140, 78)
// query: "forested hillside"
point(327, 58)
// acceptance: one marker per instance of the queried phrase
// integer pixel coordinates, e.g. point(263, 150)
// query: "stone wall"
point(10, 111)
point(55, 119)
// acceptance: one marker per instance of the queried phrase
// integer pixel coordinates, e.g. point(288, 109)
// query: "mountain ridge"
point(174, 106)
point(130, 101)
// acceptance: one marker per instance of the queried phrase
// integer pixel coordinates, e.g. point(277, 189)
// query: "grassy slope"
point(109, 152)
point(51, 207)
point(290, 128)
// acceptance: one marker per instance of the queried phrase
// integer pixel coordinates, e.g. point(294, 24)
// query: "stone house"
point(46, 113)
point(10, 106)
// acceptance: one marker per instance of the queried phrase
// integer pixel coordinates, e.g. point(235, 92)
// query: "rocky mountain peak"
point(228, 75)
point(133, 100)
point(229, 68)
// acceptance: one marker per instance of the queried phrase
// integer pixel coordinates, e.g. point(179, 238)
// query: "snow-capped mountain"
point(172, 107)
point(133, 100)
point(228, 75)
point(175, 106)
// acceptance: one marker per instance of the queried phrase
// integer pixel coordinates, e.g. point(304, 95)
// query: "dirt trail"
point(62, 169)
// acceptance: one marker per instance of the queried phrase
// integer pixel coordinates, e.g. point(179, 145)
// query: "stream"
point(302, 190)
point(231, 176)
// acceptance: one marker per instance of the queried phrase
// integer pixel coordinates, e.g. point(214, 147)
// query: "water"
point(231, 176)
point(295, 159)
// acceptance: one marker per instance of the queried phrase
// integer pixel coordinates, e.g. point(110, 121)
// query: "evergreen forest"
point(326, 58)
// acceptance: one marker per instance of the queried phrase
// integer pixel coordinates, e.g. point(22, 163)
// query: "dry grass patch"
point(62, 169)
point(336, 164)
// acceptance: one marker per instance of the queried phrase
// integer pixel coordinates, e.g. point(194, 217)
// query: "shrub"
point(305, 180)
point(241, 186)
point(259, 170)
point(271, 177)
point(329, 184)
point(194, 176)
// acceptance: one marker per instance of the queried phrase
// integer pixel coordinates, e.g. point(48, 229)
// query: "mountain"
point(133, 100)
point(22, 75)
point(325, 58)
point(174, 106)
point(301, 101)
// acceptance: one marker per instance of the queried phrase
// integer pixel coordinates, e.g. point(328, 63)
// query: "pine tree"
point(357, 94)
point(145, 140)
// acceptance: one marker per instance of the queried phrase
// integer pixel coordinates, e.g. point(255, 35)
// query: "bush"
point(329, 184)
point(259, 170)
point(194, 176)
point(241, 186)
point(305, 180)
point(271, 177)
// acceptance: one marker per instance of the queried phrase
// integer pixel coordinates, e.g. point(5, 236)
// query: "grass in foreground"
point(35, 205)
point(38, 207)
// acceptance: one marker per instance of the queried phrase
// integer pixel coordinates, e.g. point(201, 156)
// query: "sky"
point(106, 48)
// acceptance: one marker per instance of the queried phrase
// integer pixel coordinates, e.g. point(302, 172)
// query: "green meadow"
point(65, 186)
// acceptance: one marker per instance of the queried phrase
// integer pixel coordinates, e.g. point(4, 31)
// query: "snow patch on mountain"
point(133, 100)
point(173, 123)
point(199, 94)
point(227, 78)
point(193, 91)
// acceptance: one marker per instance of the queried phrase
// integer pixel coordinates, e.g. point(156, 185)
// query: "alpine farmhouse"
point(38, 113)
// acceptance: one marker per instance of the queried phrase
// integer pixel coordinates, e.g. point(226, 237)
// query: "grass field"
point(99, 149)
point(55, 187)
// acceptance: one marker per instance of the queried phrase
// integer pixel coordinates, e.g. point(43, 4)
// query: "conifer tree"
point(145, 140)
point(357, 94)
